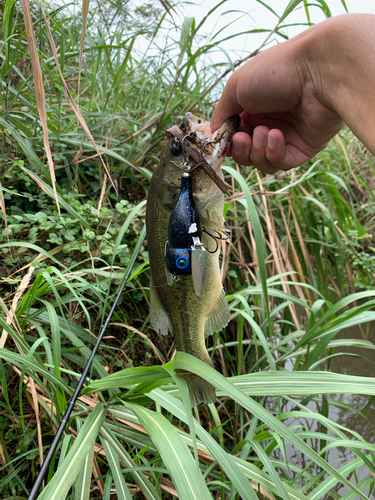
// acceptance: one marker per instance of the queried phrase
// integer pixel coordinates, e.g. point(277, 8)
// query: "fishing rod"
point(66, 415)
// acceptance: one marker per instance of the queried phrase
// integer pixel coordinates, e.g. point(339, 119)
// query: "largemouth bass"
point(176, 308)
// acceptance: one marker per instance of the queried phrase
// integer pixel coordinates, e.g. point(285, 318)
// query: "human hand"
point(286, 119)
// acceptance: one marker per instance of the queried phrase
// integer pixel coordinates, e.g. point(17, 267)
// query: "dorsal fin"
point(219, 318)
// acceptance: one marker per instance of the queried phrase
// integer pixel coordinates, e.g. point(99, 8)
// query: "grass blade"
point(128, 378)
point(39, 91)
point(122, 490)
point(186, 362)
point(187, 479)
point(255, 223)
point(147, 488)
point(225, 460)
point(60, 484)
point(83, 481)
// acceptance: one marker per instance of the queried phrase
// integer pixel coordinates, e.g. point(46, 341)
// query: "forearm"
point(340, 57)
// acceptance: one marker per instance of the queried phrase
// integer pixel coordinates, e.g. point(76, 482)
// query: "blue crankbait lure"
point(184, 227)
point(185, 255)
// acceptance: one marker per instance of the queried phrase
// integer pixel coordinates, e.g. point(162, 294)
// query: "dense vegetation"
point(77, 158)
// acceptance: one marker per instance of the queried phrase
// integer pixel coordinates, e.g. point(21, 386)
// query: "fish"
point(175, 306)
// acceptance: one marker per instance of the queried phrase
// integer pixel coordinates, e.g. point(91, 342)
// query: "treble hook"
point(183, 149)
point(220, 234)
point(187, 165)
point(205, 142)
point(219, 237)
point(188, 168)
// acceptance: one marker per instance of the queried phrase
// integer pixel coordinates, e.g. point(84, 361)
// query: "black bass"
point(175, 306)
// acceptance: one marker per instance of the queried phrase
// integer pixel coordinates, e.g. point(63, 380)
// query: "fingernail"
point(272, 141)
point(238, 148)
point(258, 139)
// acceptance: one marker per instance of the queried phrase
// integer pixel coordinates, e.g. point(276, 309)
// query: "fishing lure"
point(185, 254)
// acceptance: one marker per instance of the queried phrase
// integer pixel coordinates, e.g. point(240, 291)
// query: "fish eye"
point(176, 149)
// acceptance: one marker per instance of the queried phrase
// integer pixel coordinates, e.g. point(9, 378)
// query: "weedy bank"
point(77, 158)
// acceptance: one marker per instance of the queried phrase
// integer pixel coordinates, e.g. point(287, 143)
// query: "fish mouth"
point(213, 147)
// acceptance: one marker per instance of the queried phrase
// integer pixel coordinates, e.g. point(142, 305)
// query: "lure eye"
point(181, 262)
point(176, 149)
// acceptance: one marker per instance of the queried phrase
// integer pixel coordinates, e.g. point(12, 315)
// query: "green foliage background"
point(299, 269)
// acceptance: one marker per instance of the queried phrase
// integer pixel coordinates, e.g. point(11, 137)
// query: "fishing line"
point(175, 279)
point(186, 167)
point(66, 415)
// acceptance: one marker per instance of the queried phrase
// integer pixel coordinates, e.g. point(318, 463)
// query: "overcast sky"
point(256, 15)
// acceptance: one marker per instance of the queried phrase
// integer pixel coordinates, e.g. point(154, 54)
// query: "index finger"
point(227, 105)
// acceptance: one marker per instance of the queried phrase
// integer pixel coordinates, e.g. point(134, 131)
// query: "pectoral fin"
point(219, 318)
point(158, 316)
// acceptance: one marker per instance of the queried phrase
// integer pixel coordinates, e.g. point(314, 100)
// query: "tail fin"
point(200, 390)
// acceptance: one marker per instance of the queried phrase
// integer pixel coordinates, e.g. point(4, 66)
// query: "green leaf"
point(147, 488)
point(60, 484)
point(122, 490)
point(235, 468)
point(184, 39)
point(31, 364)
point(136, 210)
point(64, 204)
point(182, 467)
point(257, 230)
point(8, 19)
point(270, 468)
point(128, 378)
point(189, 363)
point(83, 481)
point(224, 459)
point(289, 9)
point(284, 383)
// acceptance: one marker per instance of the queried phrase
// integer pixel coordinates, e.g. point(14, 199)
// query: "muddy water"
point(365, 426)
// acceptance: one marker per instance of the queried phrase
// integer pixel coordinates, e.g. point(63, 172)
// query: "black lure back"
point(184, 225)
